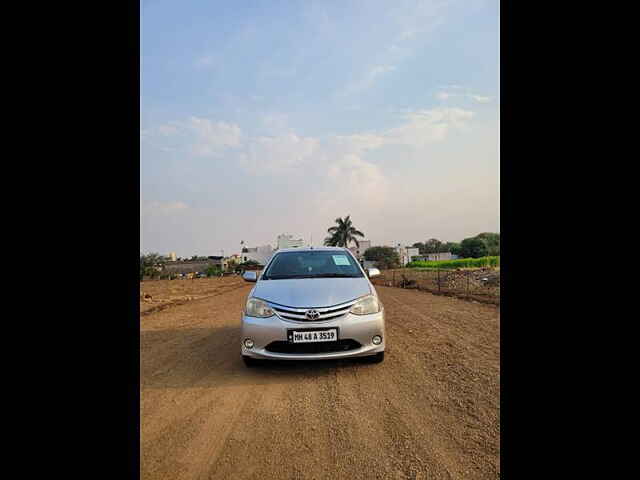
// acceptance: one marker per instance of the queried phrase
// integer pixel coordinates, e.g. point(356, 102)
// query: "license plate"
point(312, 336)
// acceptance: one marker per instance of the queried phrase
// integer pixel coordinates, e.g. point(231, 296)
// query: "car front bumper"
point(360, 328)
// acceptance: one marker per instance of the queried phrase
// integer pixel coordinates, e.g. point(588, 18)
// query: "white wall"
point(287, 241)
point(358, 252)
point(439, 256)
point(261, 255)
point(412, 252)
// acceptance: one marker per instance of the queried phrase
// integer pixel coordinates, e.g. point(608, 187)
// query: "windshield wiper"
point(287, 277)
point(336, 275)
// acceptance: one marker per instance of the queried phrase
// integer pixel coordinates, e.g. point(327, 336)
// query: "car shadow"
point(210, 357)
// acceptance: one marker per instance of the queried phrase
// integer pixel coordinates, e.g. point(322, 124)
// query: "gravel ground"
point(430, 411)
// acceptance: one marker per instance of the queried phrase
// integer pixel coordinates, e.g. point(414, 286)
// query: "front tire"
point(250, 361)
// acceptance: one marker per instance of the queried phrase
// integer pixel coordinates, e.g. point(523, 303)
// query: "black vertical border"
point(132, 333)
point(130, 182)
point(506, 31)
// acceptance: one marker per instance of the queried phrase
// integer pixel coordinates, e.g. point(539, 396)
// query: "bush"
point(473, 248)
point(385, 257)
point(492, 241)
point(460, 263)
point(213, 271)
point(248, 265)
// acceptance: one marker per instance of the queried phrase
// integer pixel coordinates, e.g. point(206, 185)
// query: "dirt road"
point(430, 411)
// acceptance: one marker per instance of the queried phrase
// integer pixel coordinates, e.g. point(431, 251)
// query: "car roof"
point(310, 249)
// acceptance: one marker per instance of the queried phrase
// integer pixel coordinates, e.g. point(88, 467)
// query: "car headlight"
point(366, 306)
point(258, 308)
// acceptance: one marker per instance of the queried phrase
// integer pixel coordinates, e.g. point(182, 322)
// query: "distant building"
point(412, 252)
point(362, 247)
point(218, 261)
point(287, 241)
point(406, 254)
point(172, 256)
point(258, 254)
point(433, 257)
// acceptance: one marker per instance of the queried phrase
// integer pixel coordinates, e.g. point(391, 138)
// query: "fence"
point(480, 284)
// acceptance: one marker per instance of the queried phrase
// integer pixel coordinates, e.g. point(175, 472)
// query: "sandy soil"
point(430, 411)
point(159, 294)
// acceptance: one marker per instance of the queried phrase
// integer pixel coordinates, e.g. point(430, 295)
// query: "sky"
point(259, 118)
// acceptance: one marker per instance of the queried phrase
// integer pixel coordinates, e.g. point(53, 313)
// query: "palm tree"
point(343, 234)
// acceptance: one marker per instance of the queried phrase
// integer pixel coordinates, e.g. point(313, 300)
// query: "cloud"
point(358, 143)
point(360, 178)
point(427, 126)
point(330, 158)
point(420, 127)
point(212, 137)
point(480, 99)
point(163, 208)
point(446, 93)
point(167, 130)
point(416, 20)
point(379, 70)
point(273, 154)
point(199, 136)
point(276, 123)
point(367, 80)
point(351, 181)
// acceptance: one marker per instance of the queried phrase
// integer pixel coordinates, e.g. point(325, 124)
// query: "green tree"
point(385, 257)
point(343, 234)
point(452, 247)
point(492, 241)
point(212, 271)
point(433, 245)
point(473, 248)
point(420, 247)
point(249, 264)
point(151, 265)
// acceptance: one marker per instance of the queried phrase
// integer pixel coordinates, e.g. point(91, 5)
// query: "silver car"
point(311, 304)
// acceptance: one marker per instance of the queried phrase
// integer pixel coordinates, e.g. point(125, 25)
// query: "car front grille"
point(299, 314)
point(310, 348)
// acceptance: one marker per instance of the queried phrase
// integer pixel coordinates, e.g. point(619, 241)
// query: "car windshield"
point(312, 264)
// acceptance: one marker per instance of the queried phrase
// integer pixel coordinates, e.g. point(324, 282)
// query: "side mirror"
point(250, 276)
point(373, 272)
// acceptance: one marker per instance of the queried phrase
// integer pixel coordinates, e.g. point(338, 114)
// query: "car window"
point(312, 264)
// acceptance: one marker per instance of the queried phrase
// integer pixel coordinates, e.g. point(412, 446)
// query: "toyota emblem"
point(312, 314)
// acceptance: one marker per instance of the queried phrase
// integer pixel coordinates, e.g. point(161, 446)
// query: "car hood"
point(311, 292)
